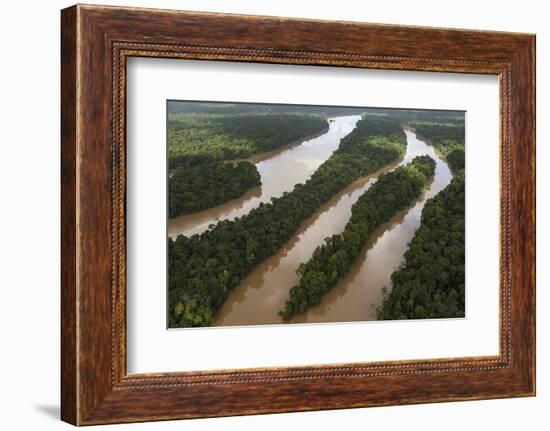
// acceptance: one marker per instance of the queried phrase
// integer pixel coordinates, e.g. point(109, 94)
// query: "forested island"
point(392, 193)
point(203, 269)
point(213, 153)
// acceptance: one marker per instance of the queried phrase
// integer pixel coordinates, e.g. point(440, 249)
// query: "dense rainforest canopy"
point(199, 182)
point(447, 137)
point(204, 268)
point(392, 193)
point(208, 144)
point(234, 136)
point(200, 145)
point(430, 282)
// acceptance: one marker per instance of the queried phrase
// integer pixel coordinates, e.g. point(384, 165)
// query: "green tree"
point(331, 261)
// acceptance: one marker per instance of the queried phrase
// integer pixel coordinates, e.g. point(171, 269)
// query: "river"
point(280, 170)
point(264, 291)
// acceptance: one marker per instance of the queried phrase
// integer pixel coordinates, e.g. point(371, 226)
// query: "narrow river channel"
point(258, 299)
point(280, 170)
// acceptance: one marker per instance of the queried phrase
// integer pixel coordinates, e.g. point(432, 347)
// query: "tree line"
point(254, 108)
point(204, 268)
point(199, 182)
point(430, 282)
point(448, 138)
point(199, 146)
point(235, 136)
point(331, 261)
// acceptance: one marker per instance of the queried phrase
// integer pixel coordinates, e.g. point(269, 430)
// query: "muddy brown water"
point(280, 170)
point(258, 299)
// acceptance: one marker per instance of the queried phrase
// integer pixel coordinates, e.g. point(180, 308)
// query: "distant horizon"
point(207, 103)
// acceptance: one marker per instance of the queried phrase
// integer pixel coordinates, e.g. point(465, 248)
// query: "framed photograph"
point(264, 214)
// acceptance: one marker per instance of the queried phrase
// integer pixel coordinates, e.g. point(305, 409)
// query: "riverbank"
point(260, 296)
point(332, 260)
point(264, 291)
point(243, 243)
point(427, 141)
point(257, 158)
point(455, 157)
point(298, 163)
point(182, 224)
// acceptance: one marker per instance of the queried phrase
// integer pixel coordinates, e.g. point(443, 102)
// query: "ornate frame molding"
point(96, 41)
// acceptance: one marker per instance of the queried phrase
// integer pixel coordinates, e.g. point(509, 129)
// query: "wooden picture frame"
point(95, 43)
